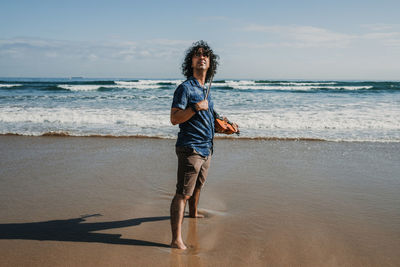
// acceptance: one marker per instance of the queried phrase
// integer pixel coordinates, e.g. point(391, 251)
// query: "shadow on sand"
point(76, 231)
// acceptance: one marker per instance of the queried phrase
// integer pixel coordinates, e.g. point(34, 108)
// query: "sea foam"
point(329, 110)
point(9, 85)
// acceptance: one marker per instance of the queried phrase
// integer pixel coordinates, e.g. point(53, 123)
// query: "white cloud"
point(303, 36)
point(380, 26)
point(29, 56)
point(392, 42)
point(112, 50)
point(381, 35)
point(389, 39)
point(309, 36)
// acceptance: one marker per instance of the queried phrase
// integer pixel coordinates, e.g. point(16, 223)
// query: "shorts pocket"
point(185, 150)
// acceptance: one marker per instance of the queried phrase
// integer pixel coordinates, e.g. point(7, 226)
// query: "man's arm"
point(181, 115)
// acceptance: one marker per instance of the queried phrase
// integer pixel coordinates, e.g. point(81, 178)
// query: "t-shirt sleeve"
point(181, 97)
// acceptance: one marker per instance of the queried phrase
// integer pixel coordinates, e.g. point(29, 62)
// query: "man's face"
point(200, 60)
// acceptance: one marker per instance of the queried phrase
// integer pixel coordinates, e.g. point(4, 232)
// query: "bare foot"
point(178, 245)
point(196, 215)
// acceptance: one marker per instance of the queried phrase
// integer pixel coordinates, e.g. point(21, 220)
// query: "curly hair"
point(187, 69)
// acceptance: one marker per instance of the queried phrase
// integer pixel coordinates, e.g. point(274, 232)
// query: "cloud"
point(111, 50)
point(316, 37)
point(302, 36)
point(381, 26)
point(381, 35)
point(388, 39)
point(387, 34)
point(29, 56)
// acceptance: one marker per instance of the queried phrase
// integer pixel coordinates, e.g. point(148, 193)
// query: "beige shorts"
point(192, 170)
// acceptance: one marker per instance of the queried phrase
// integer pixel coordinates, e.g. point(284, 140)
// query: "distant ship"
point(76, 78)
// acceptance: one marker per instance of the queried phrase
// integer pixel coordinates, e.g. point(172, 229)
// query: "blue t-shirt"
point(198, 131)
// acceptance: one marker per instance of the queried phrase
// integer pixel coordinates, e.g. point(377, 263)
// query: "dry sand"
point(68, 201)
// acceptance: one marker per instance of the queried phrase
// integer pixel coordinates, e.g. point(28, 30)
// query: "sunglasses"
point(199, 54)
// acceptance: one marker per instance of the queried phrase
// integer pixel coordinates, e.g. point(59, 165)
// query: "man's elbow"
point(173, 120)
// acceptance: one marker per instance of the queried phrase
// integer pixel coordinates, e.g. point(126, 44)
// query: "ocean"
point(270, 109)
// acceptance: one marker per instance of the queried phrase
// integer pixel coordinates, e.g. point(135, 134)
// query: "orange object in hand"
point(224, 126)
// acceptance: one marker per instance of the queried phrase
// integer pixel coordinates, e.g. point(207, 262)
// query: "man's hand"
point(202, 105)
point(236, 127)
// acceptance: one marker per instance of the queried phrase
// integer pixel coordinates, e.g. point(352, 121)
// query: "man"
point(195, 116)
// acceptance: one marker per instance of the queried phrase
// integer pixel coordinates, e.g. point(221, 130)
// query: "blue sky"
point(325, 40)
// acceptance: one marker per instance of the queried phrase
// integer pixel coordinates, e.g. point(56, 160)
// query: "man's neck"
point(200, 76)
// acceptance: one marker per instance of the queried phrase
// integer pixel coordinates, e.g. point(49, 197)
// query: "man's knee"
point(183, 197)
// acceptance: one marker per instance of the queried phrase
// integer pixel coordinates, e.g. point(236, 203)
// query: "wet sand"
point(69, 201)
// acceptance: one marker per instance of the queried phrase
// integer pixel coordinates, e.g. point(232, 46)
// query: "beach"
point(94, 201)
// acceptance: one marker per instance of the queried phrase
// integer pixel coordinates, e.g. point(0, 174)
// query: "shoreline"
point(217, 137)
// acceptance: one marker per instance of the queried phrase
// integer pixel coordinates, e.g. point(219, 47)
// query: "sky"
point(305, 40)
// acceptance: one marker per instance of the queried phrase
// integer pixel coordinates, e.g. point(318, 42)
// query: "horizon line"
point(183, 78)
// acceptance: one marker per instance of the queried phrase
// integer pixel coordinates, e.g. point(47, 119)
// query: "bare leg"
point(193, 202)
point(177, 212)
